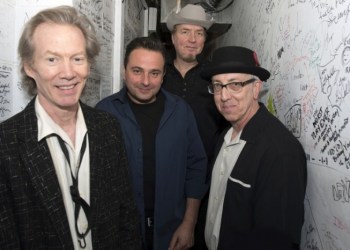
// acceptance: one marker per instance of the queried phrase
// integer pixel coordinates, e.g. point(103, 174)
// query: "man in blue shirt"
point(166, 154)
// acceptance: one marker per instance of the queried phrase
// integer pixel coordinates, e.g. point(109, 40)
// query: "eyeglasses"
point(233, 87)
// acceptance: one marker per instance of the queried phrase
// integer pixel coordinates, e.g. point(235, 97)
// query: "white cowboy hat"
point(190, 14)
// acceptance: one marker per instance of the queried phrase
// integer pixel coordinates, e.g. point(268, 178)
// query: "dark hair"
point(148, 43)
point(58, 15)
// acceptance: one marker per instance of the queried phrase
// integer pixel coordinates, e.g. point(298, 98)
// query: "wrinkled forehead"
point(189, 27)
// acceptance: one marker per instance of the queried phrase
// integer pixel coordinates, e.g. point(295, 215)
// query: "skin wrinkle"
point(188, 40)
point(143, 75)
point(237, 108)
point(60, 69)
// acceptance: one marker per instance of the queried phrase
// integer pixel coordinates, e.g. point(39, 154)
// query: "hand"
point(183, 238)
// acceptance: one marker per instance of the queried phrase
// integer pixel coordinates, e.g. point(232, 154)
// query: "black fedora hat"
point(234, 59)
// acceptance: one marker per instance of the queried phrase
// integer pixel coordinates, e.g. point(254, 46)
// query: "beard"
point(190, 58)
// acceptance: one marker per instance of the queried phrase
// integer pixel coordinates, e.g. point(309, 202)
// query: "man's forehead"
point(142, 57)
point(189, 26)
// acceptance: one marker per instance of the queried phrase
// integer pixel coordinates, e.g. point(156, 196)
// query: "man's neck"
point(239, 125)
point(183, 67)
point(65, 118)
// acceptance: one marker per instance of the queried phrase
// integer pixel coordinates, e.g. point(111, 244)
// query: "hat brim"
point(175, 19)
point(212, 70)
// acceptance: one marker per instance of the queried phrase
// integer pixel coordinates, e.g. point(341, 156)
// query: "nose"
point(225, 94)
point(67, 70)
point(145, 79)
point(192, 37)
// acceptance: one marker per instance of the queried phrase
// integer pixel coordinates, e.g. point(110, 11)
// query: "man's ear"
point(172, 37)
point(123, 73)
point(28, 69)
point(163, 75)
point(256, 89)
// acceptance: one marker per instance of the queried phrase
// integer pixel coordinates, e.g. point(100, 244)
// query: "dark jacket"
point(180, 161)
point(32, 212)
point(269, 214)
point(194, 90)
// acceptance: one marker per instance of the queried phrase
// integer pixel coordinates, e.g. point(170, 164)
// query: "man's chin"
point(190, 59)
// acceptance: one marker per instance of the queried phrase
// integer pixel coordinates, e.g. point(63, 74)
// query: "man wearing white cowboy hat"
point(258, 182)
point(188, 30)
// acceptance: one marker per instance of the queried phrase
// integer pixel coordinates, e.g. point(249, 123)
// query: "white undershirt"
point(46, 128)
point(223, 167)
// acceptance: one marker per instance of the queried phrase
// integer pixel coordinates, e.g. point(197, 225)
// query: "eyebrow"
point(187, 28)
point(155, 70)
point(151, 70)
point(58, 54)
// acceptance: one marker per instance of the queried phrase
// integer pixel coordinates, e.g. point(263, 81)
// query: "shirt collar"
point(47, 126)
point(228, 137)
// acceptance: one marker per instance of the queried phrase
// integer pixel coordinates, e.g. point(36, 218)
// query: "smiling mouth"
point(144, 90)
point(226, 107)
point(67, 87)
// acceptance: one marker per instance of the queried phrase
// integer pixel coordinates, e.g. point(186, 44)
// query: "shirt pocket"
point(238, 198)
point(246, 185)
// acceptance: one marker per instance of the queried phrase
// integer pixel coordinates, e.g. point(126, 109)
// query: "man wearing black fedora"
point(258, 180)
point(188, 30)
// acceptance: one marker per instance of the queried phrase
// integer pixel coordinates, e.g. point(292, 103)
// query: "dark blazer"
point(267, 212)
point(32, 212)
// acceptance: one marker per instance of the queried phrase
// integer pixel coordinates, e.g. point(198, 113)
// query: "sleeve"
point(280, 196)
point(278, 212)
point(129, 231)
point(8, 232)
point(196, 185)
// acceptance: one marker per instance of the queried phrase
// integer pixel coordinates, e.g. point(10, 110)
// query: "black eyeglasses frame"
point(211, 87)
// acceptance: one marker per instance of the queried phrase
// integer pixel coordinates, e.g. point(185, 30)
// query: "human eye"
point(235, 86)
point(200, 33)
point(155, 74)
point(52, 59)
point(184, 32)
point(217, 87)
point(136, 71)
point(79, 59)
